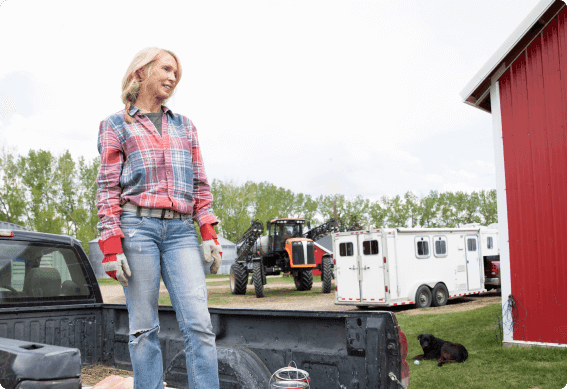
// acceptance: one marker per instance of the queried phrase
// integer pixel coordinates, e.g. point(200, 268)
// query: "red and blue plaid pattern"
point(149, 170)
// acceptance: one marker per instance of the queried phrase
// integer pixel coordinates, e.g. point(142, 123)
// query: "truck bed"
point(338, 349)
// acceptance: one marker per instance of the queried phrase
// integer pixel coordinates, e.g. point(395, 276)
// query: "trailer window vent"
point(370, 247)
point(422, 247)
point(489, 242)
point(345, 249)
point(471, 244)
point(440, 246)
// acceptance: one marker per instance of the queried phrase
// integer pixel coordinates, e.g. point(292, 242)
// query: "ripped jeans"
point(169, 248)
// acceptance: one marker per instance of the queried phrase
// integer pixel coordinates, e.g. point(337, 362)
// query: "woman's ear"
point(140, 75)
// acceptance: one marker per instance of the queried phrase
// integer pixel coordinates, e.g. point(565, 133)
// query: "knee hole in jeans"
point(139, 333)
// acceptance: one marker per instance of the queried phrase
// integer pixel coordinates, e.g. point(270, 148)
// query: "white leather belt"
point(160, 213)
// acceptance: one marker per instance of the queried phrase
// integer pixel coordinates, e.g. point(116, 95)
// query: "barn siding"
point(533, 95)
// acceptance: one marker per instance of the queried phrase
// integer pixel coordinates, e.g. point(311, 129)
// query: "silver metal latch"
point(394, 378)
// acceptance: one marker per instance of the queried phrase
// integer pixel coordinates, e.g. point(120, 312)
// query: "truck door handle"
point(352, 268)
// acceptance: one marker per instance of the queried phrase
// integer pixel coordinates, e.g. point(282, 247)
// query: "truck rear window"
point(39, 272)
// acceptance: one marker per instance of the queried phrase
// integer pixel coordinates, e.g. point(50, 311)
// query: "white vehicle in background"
point(421, 266)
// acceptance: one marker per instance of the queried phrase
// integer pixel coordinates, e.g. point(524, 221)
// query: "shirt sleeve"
point(202, 212)
point(108, 182)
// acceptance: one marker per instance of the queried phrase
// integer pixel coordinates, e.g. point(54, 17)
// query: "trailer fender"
point(414, 287)
point(238, 367)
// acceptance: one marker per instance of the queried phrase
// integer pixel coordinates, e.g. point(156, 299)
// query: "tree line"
point(55, 194)
point(236, 205)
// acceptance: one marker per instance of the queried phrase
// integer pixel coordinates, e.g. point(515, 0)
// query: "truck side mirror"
point(268, 224)
point(308, 225)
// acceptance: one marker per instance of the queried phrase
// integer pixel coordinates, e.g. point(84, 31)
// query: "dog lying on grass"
point(440, 350)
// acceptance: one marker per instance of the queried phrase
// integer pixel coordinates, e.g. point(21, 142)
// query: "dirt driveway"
point(276, 297)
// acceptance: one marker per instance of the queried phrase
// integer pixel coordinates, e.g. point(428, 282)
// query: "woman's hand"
point(212, 250)
point(114, 262)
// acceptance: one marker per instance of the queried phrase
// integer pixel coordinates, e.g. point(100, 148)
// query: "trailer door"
point(371, 268)
point(473, 262)
point(346, 255)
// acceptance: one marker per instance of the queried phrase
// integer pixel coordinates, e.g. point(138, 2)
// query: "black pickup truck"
point(53, 321)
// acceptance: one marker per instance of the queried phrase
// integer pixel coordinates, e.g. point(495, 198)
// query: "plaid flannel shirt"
point(142, 167)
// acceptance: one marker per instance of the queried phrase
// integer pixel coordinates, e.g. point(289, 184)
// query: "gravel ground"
point(114, 294)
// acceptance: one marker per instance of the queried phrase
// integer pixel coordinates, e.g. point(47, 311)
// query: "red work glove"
point(211, 247)
point(114, 261)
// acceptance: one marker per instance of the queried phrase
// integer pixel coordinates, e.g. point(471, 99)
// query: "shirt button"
point(168, 172)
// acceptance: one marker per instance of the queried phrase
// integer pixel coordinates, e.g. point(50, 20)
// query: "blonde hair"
point(144, 60)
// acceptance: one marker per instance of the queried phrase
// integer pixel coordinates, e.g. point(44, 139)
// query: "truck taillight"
point(404, 353)
point(494, 270)
point(7, 233)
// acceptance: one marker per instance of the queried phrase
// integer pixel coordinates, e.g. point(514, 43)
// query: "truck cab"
point(44, 268)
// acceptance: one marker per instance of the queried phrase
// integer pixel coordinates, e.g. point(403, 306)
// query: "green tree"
point(429, 210)
point(38, 172)
point(412, 205)
point(397, 213)
point(487, 206)
point(354, 215)
point(377, 214)
point(85, 211)
point(232, 204)
point(13, 202)
point(272, 202)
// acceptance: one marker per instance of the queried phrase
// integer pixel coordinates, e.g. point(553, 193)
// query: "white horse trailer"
point(399, 266)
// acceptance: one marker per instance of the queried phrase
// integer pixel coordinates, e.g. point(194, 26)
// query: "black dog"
point(441, 350)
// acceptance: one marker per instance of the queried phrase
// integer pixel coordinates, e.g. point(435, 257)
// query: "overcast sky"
point(319, 97)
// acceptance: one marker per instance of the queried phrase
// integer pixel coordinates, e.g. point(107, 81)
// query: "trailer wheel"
point(238, 279)
point(258, 279)
point(440, 295)
point(423, 297)
point(326, 274)
point(303, 280)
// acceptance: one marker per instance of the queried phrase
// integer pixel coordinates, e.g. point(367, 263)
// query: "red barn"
point(322, 246)
point(524, 87)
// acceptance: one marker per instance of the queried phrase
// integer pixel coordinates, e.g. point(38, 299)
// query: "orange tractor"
point(287, 247)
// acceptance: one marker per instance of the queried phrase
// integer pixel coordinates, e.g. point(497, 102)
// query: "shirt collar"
point(134, 110)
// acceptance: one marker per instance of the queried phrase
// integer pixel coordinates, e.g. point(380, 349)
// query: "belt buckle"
point(167, 214)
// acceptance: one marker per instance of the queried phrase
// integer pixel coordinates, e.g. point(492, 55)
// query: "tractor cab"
point(280, 230)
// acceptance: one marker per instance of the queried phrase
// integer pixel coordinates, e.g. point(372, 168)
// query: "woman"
point(151, 188)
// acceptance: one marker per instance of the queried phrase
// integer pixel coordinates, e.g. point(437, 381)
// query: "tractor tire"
point(258, 279)
point(326, 274)
point(303, 280)
point(440, 295)
point(423, 297)
point(238, 279)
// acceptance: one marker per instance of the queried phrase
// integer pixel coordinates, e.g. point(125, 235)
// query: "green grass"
point(209, 276)
point(107, 281)
point(489, 365)
point(269, 280)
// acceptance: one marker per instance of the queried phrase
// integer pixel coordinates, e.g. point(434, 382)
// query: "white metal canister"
point(290, 377)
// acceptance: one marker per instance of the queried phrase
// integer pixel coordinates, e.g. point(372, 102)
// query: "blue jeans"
point(169, 248)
